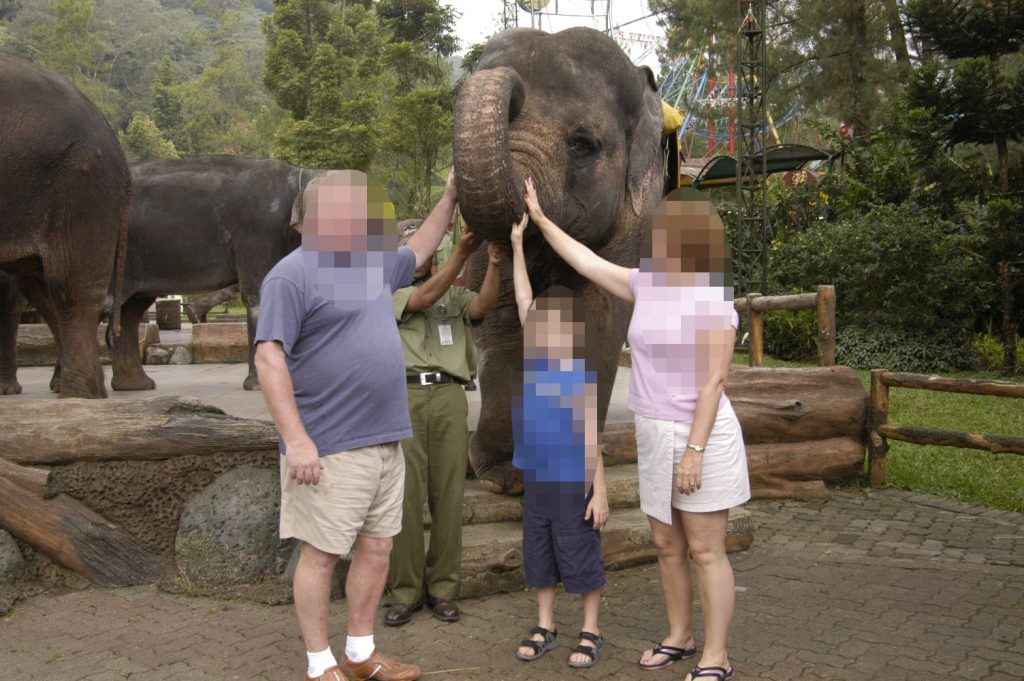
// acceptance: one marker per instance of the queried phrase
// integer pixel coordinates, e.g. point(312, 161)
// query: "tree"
point(143, 140)
point(976, 96)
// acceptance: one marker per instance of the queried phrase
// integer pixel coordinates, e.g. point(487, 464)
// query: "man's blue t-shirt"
point(344, 357)
point(549, 432)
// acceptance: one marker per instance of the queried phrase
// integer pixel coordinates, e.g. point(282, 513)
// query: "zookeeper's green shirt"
point(425, 333)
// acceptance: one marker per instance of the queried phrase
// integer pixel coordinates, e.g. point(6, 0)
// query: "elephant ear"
point(645, 142)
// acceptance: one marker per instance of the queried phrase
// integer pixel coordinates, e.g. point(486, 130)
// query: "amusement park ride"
point(728, 136)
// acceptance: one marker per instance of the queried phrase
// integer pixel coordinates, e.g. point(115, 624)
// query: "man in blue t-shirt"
point(332, 373)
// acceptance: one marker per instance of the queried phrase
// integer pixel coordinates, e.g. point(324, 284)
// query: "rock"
point(220, 342)
point(12, 563)
point(181, 355)
point(227, 535)
point(155, 355)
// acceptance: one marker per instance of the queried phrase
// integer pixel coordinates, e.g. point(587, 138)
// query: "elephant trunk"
point(490, 189)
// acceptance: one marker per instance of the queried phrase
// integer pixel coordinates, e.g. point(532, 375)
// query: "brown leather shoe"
point(379, 668)
point(444, 609)
point(332, 674)
point(400, 613)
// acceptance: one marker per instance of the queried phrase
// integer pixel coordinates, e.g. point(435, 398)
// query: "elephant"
point(66, 190)
point(199, 225)
point(570, 110)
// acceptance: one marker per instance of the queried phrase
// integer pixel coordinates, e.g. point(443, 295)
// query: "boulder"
point(227, 535)
point(157, 355)
point(181, 355)
point(12, 563)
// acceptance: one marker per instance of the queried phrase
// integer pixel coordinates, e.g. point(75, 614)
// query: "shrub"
point(897, 350)
point(989, 351)
point(791, 335)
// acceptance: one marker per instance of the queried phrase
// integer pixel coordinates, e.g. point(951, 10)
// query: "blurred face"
point(687, 236)
point(550, 333)
point(345, 213)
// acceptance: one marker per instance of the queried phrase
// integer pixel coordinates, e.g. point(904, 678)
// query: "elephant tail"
point(120, 257)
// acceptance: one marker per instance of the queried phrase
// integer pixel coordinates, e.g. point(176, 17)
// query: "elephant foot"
point(10, 387)
point(136, 382)
point(55, 384)
point(251, 382)
point(502, 478)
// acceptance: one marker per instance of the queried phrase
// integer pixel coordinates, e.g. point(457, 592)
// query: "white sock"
point(320, 662)
point(359, 648)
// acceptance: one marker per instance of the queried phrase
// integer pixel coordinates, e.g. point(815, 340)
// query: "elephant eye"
point(584, 144)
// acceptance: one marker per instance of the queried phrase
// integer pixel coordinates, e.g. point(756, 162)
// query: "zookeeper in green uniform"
point(434, 323)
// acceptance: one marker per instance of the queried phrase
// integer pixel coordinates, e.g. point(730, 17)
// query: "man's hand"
point(496, 252)
point(516, 235)
point(303, 462)
point(468, 243)
point(450, 190)
point(597, 509)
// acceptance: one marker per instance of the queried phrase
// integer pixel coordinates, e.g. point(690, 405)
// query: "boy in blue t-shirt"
point(555, 428)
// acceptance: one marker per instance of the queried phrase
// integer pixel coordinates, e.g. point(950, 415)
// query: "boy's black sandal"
point(719, 673)
point(672, 655)
point(550, 642)
point(593, 652)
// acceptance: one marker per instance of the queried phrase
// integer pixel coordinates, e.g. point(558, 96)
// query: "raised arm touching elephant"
point(65, 191)
point(570, 110)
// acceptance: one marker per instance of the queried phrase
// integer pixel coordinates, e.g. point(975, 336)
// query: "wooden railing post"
point(826, 311)
point(878, 414)
point(755, 318)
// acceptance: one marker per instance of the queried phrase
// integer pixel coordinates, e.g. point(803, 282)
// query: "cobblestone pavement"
point(870, 585)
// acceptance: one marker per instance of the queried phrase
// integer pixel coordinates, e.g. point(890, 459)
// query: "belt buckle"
point(423, 377)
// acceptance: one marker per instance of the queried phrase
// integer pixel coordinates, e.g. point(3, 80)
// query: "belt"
point(432, 378)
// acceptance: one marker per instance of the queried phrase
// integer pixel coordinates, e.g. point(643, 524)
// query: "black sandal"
point(550, 642)
point(720, 673)
point(673, 654)
point(593, 652)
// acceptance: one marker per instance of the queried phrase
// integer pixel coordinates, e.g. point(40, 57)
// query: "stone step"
point(492, 553)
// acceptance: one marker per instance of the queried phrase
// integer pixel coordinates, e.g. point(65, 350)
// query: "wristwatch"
point(697, 448)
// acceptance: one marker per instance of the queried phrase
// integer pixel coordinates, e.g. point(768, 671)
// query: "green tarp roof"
point(721, 170)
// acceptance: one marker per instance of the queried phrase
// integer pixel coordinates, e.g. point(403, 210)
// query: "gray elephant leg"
point(34, 290)
point(252, 315)
point(73, 322)
point(499, 372)
point(11, 306)
point(128, 371)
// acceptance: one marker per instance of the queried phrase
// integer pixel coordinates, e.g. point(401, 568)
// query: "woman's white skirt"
point(724, 479)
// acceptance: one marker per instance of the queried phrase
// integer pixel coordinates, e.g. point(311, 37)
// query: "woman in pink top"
point(690, 453)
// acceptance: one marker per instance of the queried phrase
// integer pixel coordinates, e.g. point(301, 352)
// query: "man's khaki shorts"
point(360, 492)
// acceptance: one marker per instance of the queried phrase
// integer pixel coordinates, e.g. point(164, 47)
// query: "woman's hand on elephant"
point(536, 212)
point(688, 477)
point(516, 235)
point(303, 461)
point(496, 252)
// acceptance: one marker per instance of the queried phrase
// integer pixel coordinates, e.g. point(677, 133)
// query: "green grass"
point(969, 475)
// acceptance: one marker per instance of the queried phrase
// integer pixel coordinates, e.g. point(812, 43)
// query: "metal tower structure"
point(750, 250)
point(552, 15)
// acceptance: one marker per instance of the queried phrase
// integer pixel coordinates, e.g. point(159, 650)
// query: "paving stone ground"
point(869, 585)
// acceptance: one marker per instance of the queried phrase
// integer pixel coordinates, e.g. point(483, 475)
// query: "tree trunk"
point(144, 430)
point(1009, 320)
point(73, 535)
point(898, 40)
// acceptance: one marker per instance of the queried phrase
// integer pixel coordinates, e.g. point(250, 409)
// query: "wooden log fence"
point(880, 431)
point(822, 301)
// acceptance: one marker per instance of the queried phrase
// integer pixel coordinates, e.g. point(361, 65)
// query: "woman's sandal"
point(550, 642)
point(719, 673)
point(593, 652)
point(671, 653)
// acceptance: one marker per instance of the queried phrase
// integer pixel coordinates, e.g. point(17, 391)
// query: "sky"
point(481, 18)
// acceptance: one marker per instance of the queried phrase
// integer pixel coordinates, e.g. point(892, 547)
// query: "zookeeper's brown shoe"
point(444, 609)
point(400, 613)
point(379, 668)
point(332, 674)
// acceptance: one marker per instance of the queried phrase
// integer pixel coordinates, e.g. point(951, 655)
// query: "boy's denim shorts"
point(558, 544)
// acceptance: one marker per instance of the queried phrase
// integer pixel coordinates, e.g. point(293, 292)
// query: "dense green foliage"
point(917, 218)
point(318, 83)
